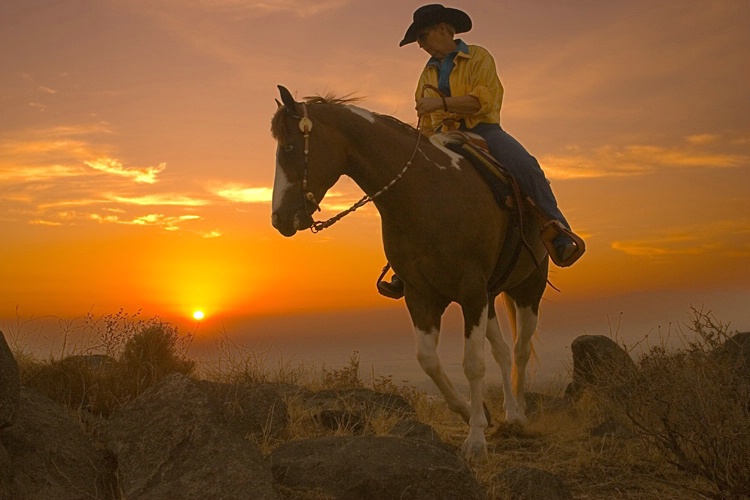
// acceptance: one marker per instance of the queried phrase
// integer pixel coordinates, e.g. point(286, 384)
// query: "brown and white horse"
point(442, 229)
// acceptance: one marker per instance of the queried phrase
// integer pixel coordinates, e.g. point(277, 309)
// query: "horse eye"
point(288, 148)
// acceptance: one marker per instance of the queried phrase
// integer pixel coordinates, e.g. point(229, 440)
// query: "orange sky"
point(136, 160)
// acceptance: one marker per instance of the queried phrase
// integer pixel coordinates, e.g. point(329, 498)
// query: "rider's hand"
point(426, 105)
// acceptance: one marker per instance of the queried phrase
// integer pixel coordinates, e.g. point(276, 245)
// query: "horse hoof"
point(474, 450)
point(515, 418)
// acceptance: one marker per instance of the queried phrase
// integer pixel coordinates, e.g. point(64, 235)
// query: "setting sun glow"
point(198, 315)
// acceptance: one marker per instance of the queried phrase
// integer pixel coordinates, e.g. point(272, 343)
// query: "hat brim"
point(456, 18)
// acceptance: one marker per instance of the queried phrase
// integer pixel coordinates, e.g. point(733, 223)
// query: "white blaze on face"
point(281, 184)
point(367, 115)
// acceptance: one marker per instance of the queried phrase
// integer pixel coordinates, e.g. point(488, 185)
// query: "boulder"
point(6, 474)
point(373, 467)
point(362, 400)
point(416, 430)
point(527, 483)
point(596, 356)
point(172, 442)
point(257, 410)
point(51, 457)
point(10, 384)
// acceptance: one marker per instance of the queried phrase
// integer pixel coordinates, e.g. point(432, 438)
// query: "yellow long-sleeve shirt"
point(473, 74)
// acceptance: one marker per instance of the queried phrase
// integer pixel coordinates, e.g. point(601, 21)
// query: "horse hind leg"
point(475, 326)
point(524, 325)
point(501, 353)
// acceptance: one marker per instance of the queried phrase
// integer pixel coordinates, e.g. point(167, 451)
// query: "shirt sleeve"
point(484, 82)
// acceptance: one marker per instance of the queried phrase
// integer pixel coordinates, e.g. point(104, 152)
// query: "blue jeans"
point(524, 167)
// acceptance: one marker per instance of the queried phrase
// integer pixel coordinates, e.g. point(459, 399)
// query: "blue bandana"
point(446, 66)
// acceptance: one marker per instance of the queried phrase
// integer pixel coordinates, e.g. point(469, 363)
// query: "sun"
point(198, 315)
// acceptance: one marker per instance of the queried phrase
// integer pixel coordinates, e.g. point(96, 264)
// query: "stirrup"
point(550, 231)
point(393, 289)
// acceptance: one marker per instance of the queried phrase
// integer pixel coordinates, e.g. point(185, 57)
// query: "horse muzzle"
point(288, 226)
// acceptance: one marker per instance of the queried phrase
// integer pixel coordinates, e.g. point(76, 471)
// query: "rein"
point(305, 125)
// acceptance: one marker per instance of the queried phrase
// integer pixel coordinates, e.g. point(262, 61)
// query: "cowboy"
point(470, 99)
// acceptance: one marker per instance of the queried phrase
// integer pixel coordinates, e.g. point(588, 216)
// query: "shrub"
point(146, 352)
point(346, 377)
point(151, 354)
point(693, 406)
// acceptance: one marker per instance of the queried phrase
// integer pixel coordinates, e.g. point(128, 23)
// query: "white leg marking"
point(473, 364)
point(281, 185)
point(526, 322)
point(501, 353)
point(430, 362)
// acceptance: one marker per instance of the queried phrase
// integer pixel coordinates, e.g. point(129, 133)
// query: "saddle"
point(508, 195)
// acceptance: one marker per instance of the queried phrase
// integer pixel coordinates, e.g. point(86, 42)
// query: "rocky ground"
point(196, 439)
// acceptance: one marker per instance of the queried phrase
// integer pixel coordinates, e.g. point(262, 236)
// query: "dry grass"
point(703, 401)
point(136, 354)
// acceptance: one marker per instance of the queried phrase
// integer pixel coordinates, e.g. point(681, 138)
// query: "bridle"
point(306, 125)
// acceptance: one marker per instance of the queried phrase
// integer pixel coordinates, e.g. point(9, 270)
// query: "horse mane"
point(277, 126)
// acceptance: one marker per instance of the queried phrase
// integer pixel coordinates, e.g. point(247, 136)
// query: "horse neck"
point(378, 151)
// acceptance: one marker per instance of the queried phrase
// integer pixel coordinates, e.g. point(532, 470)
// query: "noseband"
point(305, 125)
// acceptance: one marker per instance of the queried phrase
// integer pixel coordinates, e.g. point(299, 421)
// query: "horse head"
point(308, 164)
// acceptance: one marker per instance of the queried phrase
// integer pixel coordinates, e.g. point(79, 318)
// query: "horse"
point(442, 232)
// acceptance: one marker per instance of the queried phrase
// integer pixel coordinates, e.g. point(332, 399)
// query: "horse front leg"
point(475, 329)
point(427, 329)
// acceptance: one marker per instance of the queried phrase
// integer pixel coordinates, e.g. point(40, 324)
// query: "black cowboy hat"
point(432, 14)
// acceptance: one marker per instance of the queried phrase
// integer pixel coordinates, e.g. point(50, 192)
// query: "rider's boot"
point(564, 246)
point(393, 289)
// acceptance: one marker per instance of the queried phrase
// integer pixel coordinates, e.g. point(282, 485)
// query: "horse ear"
point(278, 104)
point(288, 100)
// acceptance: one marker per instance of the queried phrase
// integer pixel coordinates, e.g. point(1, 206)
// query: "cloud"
point(41, 88)
point(663, 246)
point(145, 175)
point(240, 194)
point(614, 161)
point(11, 174)
point(164, 199)
point(170, 223)
point(45, 223)
point(727, 238)
point(257, 8)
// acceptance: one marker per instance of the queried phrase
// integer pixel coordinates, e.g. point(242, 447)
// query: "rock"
point(258, 410)
point(10, 384)
point(51, 457)
point(6, 474)
point(595, 356)
point(527, 483)
point(365, 401)
point(416, 430)
point(172, 442)
point(373, 467)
